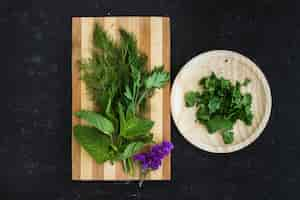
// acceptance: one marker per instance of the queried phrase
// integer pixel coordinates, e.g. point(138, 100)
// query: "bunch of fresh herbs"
point(118, 82)
point(220, 105)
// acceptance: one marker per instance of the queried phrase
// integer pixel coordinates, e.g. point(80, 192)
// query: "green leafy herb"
point(220, 105)
point(118, 82)
point(227, 136)
point(246, 82)
point(218, 123)
point(157, 79)
point(191, 98)
point(97, 120)
point(97, 145)
point(130, 150)
point(214, 104)
point(136, 127)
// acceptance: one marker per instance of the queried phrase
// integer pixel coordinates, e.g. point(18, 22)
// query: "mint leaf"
point(97, 120)
point(136, 127)
point(148, 138)
point(97, 145)
point(191, 98)
point(227, 136)
point(218, 123)
point(130, 150)
point(157, 78)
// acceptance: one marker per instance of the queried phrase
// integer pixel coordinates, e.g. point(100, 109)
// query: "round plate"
point(232, 66)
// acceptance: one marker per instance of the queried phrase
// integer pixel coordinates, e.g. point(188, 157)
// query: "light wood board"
point(153, 38)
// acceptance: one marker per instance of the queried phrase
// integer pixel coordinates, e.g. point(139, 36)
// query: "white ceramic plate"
point(232, 66)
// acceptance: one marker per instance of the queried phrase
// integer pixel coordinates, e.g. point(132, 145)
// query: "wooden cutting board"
point(153, 38)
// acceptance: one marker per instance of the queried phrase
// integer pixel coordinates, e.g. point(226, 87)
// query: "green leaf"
point(101, 39)
point(136, 127)
point(247, 115)
point(214, 104)
point(202, 113)
point(121, 116)
point(246, 82)
point(247, 99)
point(220, 104)
point(227, 136)
point(191, 98)
point(130, 54)
point(225, 84)
point(130, 113)
point(218, 123)
point(128, 93)
point(236, 97)
point(97, 145)
point(130, 150)
point(110, 114)
point(210, 82)
point(97, 120)
point(157, 79)
point(147, 138)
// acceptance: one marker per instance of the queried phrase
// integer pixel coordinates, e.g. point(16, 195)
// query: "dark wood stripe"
point(166, 96)
point(76, 101)
point(145, 47)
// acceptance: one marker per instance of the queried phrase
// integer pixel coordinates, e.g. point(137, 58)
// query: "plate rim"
point(259, 130)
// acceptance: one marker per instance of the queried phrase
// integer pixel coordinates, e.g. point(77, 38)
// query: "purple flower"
point(153, 158)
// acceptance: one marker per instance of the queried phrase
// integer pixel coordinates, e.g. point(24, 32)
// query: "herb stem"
point(142, 97)
point(142, 178)
point(125, 166)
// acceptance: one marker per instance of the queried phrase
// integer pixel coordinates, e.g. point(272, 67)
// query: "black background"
point(35, 142)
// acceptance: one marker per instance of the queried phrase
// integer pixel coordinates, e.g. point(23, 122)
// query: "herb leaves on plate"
point(220, 105)
point(118, 82)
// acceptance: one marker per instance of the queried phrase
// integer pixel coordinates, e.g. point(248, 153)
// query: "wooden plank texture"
point(153, 38)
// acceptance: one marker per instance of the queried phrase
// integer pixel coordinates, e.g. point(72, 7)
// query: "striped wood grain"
point(153, 38)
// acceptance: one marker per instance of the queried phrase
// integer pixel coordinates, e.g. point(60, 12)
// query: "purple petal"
point(168, 145)
point(145, 166)
point(155, 164)
point(139, 157)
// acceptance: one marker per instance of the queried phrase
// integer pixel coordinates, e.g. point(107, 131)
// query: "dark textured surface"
point(35, 143)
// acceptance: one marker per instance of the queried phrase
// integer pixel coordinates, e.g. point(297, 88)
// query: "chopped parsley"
point(220, 105)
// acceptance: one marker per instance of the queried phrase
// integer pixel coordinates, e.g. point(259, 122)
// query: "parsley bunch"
point(220, 105)
point(118, 82)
